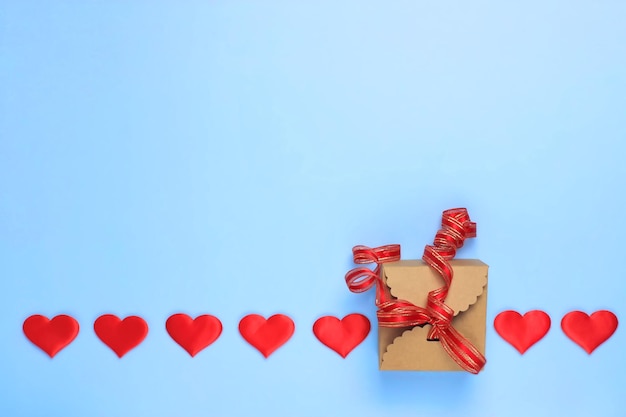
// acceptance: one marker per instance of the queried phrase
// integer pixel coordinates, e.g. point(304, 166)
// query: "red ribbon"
point(456, 226)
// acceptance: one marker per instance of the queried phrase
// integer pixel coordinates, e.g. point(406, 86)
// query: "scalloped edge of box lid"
point(411, 351)
point(412, 280)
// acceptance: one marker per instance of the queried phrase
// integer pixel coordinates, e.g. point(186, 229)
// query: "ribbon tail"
point(464, 353)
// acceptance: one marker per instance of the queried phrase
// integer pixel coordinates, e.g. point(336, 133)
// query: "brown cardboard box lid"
point(412, 280)
point(408, 349)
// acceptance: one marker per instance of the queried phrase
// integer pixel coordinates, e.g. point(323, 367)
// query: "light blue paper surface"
point(223, 157)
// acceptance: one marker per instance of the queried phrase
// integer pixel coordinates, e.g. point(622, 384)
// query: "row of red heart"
point(194, 335)
point(588, 332)
point(267, 335)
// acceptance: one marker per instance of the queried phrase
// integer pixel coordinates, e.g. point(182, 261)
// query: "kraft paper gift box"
point(407, 349)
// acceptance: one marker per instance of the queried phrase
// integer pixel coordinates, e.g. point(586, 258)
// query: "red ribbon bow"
point(456, 226)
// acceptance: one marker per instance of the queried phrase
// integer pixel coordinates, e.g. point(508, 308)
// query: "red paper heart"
point(343, 335)
point(522, 331)
point(589, 332)
point(266, 335)
point(50, 335)
point(193, 334)
point(120, 335)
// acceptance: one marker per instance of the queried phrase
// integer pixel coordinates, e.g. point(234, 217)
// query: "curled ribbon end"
point(470, 229)
point(456, 226)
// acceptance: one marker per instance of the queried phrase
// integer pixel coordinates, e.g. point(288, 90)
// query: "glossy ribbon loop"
point(456, 226)
point(362, 279)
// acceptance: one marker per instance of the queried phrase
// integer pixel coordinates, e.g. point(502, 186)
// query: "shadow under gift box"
point(407, 349)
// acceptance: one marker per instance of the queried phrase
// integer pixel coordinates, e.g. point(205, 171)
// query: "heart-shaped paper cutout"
point(120, 335)
point(589, 332)
point(51, 336)
point(522, 331)
point(266, 335)
point(193, 335)
point(343, 335)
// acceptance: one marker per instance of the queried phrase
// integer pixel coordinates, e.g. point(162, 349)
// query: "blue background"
point(223, 157)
